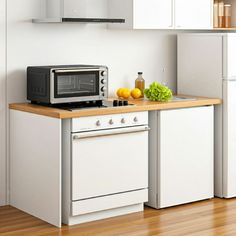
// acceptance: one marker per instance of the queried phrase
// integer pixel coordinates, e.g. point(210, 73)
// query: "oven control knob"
point(135, 119)
point(103, 81)
point(98, 123)
point(103, 89)
point(125, 103)
point(103, 73)
point(111, 122)
point(115, 103)
point(123, 120)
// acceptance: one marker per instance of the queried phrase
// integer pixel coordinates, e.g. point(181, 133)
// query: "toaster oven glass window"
point(76, 84)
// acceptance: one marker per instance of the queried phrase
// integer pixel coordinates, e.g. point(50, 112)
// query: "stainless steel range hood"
point(77, 11)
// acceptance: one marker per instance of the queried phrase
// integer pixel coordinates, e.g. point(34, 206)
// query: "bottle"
point(221, 23)
point(140, 83)
point(216, 9)
point(227, 11)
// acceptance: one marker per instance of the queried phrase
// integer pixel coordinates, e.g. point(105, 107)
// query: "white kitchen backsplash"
point(125, 52)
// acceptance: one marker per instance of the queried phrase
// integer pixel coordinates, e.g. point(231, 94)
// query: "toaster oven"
point(67, 84)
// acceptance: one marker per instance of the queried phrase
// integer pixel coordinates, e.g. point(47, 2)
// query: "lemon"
point(126, 93)
point(136, 93)
point(123, 93)
point(119, 92)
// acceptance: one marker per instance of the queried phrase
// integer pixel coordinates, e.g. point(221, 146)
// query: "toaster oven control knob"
point(103, 89)
point(103, 81)
point(103, 73)
point(98, 123)
point(111, 122)
point(136, 119)
point(123, 120)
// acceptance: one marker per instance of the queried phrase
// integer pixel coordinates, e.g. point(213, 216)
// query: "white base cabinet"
point(181, 156)
point(35, 165)
point(67, 171)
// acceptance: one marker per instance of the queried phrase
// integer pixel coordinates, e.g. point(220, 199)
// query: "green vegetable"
point(158, 92)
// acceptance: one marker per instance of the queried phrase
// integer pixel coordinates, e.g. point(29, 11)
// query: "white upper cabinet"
point(152, 14)
point(162, 14)
point(142, 14)
point(192, 14)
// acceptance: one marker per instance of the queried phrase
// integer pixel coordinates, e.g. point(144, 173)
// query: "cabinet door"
point(153, 14)
point(185, 159)
point(192, 14)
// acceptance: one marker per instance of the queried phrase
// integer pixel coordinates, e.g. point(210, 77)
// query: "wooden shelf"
point(225, 29)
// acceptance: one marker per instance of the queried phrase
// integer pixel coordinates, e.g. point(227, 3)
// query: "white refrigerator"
point(207, 67)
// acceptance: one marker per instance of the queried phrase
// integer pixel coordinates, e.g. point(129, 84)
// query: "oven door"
point(75, 85)
point(107, 162)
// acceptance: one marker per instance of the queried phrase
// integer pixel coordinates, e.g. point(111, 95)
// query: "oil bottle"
point(140, 83)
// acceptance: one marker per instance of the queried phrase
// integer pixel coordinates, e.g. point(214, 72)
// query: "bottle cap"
point(228, 9)
point(140, 73)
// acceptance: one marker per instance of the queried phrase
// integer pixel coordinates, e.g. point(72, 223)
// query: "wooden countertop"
point(140, 105)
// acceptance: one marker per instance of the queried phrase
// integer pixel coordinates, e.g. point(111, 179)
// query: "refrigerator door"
point(200, 73)
point(200, 60)
point(229, 140)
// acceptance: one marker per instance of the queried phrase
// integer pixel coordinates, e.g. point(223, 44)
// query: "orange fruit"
point(136, 93)
point(126, 93)
point(119, 92)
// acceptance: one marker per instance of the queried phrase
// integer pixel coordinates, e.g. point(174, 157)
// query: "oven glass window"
point(76, 84)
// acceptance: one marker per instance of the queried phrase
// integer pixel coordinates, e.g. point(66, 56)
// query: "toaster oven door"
point(75, 85)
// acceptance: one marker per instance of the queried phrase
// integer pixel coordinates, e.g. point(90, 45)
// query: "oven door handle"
point(110, 132)
point(75, 70)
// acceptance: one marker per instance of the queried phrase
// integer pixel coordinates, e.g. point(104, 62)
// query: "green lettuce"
point(158, 92)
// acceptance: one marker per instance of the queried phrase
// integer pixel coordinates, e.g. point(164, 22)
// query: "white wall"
point(2, 106)
point(124, 52)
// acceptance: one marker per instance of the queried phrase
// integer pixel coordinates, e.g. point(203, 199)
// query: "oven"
point(67, 84)
point(109, 161)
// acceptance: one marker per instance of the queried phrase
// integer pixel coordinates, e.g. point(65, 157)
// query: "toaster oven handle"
point(75, 70)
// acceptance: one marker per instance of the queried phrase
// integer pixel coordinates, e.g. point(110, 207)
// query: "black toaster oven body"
point(42, 83)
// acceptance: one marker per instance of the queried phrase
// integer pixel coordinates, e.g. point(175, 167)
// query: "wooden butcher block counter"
point(139, 105)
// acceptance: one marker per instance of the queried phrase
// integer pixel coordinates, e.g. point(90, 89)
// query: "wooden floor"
point(213, 217)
